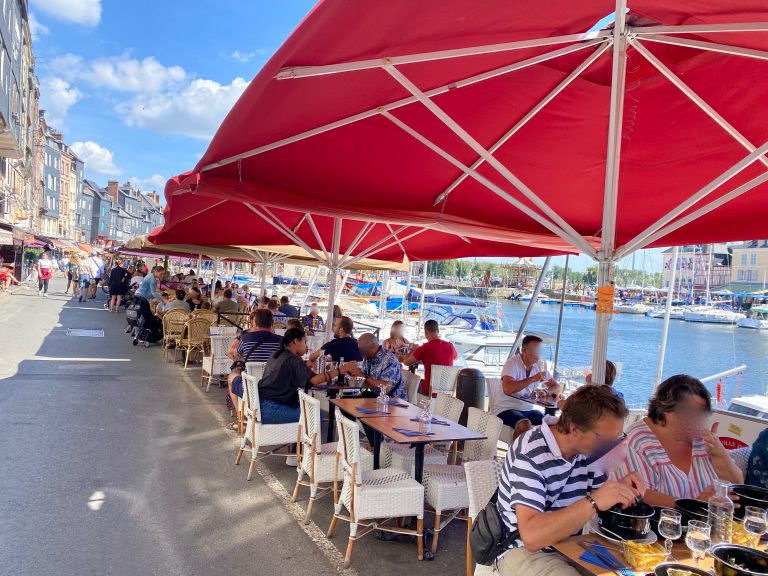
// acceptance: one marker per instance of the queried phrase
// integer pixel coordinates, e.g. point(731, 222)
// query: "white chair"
point(255, 369)
point(495, 393)
point(482, 481)
point(403, 456)
point(230, 331)
point(411, 381)
point(316, 460)
point(375, 496)
point(260, 435)
point(216, 364)
point(443, 379)
point(445, 486)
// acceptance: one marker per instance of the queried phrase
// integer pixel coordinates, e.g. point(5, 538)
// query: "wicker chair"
point(375, 496)
point(194, 338)
point(443, 379)
point(445, 486)
point(209, 315)
point(217, 363)
point(482, 481)
point(403, 456)
point(173, 328)
point(495, 395)
point(412, 382)
point(260, 435)
point(256, 370)
point(316, 460)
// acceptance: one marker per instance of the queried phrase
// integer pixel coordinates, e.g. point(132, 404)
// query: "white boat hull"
point(712, 316)
point(753, 323)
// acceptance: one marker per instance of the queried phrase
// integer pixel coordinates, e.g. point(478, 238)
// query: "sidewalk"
point(117, 463)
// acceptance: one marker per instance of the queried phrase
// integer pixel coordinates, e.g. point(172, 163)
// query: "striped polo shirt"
point(536, 475)
point(258, 346)
point(647, 457)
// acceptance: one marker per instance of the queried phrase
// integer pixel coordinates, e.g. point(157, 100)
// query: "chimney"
point(112, 190)
point(154, 196)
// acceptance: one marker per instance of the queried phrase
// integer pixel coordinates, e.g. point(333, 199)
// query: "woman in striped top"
point(672, 449)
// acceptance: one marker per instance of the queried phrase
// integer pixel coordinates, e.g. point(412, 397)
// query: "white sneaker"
point(291, 461)
point(45, 295)
point(39, 292)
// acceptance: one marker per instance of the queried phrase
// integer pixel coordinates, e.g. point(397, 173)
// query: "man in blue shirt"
point(343, 344)
point(148, 291)
point(379, 367)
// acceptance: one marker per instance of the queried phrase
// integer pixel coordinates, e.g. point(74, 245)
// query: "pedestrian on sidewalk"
point(71, 272)
point(85, 274)
point(98, 266)
point(44, 273)
point(119, 278)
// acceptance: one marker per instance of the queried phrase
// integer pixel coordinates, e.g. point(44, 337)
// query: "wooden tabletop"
point(386, 425)
point(543, 402)
point(351, 405)
point(570, 549)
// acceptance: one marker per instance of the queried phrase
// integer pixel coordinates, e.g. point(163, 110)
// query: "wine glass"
point(755, 524)
point(698, 539)
point(671, 527)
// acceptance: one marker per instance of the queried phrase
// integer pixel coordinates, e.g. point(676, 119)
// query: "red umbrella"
point(489, 117)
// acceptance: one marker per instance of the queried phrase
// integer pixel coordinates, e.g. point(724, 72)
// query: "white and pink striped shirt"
point(647, 457)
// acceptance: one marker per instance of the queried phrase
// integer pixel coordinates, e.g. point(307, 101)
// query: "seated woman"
point(397, 343)
point(672, 449)
point(194, 298)
point(284, 374)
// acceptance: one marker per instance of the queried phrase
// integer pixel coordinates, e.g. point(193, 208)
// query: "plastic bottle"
point(341, 376)
point(720, 511)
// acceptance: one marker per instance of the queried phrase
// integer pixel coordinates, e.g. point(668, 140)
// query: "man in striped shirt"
point(547, 492)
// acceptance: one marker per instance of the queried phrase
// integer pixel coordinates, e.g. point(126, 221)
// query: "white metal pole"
point(383, 294)
point(667, 311)
point(406, 304)
point(709, 272)
point(200, 265)
point(333, 272)
point(263, 277)
point(562, 308)
point(309, 287)
point(424, 271)
point(213, 277)
point(605, 269)
point(531, 304)
point(343, 283)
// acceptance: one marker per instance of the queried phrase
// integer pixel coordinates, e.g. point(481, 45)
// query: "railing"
point(725, 374)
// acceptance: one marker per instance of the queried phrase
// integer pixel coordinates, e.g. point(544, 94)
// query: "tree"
point(590, 275)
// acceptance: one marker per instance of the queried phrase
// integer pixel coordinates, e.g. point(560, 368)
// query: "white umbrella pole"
point(406, 304)
point(667, 311)
point(531, 304)
point(562, 307)
point(263, 277)
point(707, 295)
point(213, 277)
point(602, 322)
point(383, 295)
point(199, 265)
point(424, 271)
point(332, 274)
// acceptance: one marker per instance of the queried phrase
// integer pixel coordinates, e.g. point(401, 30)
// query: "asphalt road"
point(113, 462)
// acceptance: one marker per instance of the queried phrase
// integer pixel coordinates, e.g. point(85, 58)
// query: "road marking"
point(86, 332)
point(60, 359)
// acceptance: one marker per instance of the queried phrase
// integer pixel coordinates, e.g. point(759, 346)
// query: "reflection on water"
point(697, 349)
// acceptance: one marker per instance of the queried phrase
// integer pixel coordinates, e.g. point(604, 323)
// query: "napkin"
point(398, 404)
point(412, 433)
point(434, 421)
point(369, 411)
point(588, 556)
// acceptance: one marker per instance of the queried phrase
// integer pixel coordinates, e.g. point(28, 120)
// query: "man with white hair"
point(379, 366)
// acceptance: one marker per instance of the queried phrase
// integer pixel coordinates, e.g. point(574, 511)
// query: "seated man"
point(433, 351)
point(287, 309)
point(379, 367)
point(227, 304)
point(547, 493)
point(313, 323)
point(343, 346)
point(277, 316)
point(258, 344)
point(179, 303)
point(522, 375)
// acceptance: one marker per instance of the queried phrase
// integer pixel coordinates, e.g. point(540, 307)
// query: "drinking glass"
point(698, 539)
point(671, 527)
point(425, 418)
point(755, 523)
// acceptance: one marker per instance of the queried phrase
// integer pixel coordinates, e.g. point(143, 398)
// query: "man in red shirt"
point(433, 351)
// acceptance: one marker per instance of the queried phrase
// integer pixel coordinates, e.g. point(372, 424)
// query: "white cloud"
point(97, 158)
point(57, 98)
point(155, 182)
point(121, 73)
point(36, 28)
point(245, 57)
point(86, 12)
point(195, 109)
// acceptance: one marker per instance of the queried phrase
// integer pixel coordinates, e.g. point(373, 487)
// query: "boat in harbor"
point(714, 314)
point(757, 321)
point(636, 308)
point(675, 312)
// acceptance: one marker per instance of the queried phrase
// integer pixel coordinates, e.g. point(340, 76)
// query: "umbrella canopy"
point(503, 119)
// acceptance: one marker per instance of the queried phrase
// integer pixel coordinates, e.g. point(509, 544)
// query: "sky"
point(138, 88)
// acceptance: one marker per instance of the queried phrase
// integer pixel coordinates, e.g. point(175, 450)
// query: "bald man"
point(379, 366)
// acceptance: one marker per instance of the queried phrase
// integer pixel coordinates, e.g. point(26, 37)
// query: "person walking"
point(71, 272)
point(85, 273)
point(44, 273)
point(119, 278)
point(98, 266)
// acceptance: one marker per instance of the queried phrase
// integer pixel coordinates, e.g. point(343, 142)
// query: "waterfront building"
point(750, 265)
point(695, 264)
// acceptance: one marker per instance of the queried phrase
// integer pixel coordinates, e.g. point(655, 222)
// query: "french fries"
point(740, 536)
point(644, 557)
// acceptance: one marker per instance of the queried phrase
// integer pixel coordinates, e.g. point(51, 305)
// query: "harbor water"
point(696, 349)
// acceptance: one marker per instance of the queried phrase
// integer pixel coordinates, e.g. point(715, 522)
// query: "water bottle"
point(320, 364)
point(341, 376)
point(720, 511)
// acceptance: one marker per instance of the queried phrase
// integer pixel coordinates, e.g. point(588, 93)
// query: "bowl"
point(666, 567)
point(734, 560)
point(692, 510)
point(631, 523)
point(749, 496)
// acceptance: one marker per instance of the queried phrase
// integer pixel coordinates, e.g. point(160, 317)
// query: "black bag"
point(490, 537)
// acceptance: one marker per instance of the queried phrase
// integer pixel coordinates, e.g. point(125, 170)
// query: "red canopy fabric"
point(369, 166)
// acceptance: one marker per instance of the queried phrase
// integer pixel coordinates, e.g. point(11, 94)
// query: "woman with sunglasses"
point(673, 450)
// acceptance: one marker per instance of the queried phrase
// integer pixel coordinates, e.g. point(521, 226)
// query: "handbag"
point(490, 537)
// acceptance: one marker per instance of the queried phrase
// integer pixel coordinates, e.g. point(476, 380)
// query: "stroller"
point(147, 331)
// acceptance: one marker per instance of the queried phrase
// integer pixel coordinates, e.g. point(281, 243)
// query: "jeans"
point(512, 417)
point(145, 310)
point(42, 283)
point(277, 413)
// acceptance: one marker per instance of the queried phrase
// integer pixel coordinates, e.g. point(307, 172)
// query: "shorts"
point(237, 386)
point(115, 291)
point(84, 281)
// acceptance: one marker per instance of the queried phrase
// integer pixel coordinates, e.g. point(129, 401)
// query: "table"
point(384, 426)
point(571, 550)
point(549, 405)
point(350, 406)
point(333, 391)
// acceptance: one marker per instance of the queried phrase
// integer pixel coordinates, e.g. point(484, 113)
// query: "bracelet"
point(592, 502)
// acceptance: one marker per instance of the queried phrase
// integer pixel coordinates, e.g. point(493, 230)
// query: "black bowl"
point(661, 569)
point(691, 509)
point(734, 560)
point(629, 523)
point(749, 496)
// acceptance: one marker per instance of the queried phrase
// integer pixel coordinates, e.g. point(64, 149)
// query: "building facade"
point(750, 263)
point(696, 264)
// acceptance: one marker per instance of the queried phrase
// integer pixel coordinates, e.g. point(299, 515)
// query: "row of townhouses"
point(43, 190)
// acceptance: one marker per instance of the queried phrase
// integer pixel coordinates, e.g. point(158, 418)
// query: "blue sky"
point(138, 88)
